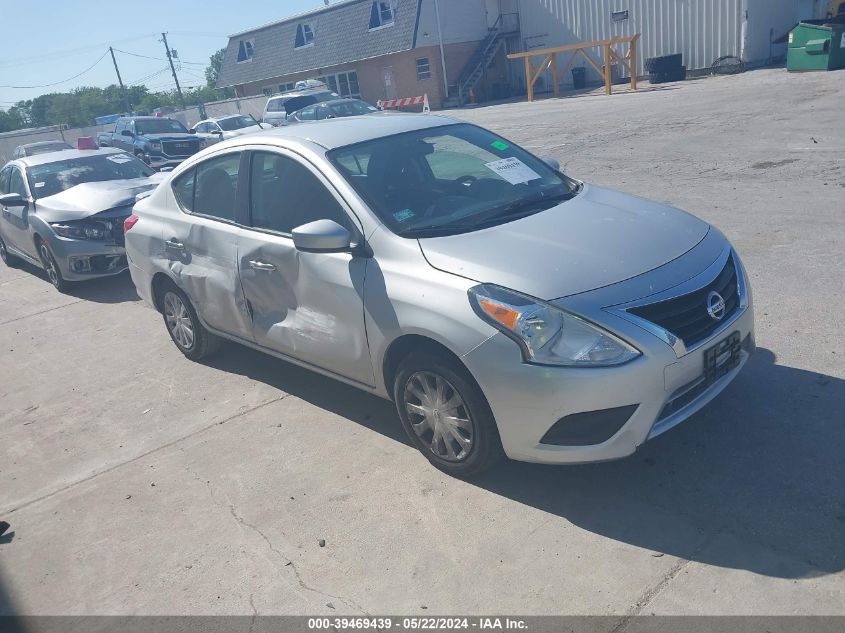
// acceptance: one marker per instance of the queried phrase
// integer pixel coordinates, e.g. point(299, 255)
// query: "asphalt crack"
point(286, 562)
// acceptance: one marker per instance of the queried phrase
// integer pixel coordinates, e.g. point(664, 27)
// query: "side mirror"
point(553, 163)
point(192, 131)
point(322, 236)
point(219, 133)
point(13, 200)
point(127, 133)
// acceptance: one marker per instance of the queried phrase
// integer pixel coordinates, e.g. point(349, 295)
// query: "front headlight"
point(546, 334)
point(82, 231)
point(155, 147)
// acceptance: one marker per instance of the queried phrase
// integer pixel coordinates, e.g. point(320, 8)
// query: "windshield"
point(351, 108)
point(448, 180)
point(236, 123)
point(158, 126)
point(52, 178)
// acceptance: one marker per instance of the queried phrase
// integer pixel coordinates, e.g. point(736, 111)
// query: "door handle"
point(258, 265)
point(174, 245)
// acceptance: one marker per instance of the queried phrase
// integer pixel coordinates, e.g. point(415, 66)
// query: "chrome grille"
point(180, 148)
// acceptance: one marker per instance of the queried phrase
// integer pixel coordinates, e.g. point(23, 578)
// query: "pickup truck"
point(160, 142)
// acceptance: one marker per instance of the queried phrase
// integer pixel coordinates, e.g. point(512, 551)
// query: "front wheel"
point(446, 415)
point(184, 327)
point(51, 267)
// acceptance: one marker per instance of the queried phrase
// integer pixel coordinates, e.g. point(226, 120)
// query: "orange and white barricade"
point(407, 101)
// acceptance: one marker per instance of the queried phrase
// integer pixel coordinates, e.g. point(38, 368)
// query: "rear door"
point(307, 306)
point(201, 242)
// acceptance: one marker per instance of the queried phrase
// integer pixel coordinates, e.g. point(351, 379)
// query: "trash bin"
point(579, 78)
point(816, 46)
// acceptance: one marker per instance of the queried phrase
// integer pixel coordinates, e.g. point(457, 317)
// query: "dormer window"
point(304, 36)
point(381, 15)
point(246, 49)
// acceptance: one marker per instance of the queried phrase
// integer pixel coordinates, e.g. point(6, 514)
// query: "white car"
point(214, 130)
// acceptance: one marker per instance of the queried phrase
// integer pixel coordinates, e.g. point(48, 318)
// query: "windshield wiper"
point(526, 205)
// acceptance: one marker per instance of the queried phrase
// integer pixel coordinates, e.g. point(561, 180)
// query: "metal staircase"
point(482, 57)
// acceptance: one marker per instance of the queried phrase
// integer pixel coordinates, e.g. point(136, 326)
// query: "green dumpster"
point(819, 46)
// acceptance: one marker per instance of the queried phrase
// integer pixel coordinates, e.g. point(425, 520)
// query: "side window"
point(183, 189)
point(16, 183)
point(307, 114)
point(119, 127)
point(210, 188)
point(284, 194)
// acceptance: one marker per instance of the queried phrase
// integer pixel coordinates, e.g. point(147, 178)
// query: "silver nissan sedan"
point(506, 308)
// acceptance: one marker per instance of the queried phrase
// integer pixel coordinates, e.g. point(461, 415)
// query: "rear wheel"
point(446, 415)
point(184, 326)
point(8, 259)
point(51, 267)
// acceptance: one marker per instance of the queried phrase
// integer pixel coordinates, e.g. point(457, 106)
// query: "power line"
point(35, 59)
point(56, 83)
point(160, 59)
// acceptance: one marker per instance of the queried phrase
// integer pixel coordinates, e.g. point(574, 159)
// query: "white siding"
point(460, 20)
point(700, 29)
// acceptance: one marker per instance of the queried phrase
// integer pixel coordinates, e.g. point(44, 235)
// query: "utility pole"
point(120, 81)
point(173, 70)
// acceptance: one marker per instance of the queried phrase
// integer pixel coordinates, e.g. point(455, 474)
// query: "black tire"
point(185, 328)
point(51, 267)
point(10, 260)
point(474, 419)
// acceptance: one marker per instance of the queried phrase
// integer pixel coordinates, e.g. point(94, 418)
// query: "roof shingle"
point(341, 34)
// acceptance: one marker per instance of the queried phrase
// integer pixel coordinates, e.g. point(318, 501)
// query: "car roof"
point(340, 132)
point(299, 93)
point(65, 154)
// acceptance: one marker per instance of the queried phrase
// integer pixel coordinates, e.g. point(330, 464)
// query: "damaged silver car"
point(64, 211)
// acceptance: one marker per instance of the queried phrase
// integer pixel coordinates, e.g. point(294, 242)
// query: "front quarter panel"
point(404, 295)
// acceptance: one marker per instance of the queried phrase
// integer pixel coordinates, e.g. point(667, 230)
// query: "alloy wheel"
point(49, 265)
point(438, 416)
point(4, 255)
point(178, 320)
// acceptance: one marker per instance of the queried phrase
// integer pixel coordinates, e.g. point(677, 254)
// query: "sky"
point(52, 40)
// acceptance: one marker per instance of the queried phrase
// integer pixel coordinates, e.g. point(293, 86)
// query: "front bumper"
point(80, 260)
point(658, 390)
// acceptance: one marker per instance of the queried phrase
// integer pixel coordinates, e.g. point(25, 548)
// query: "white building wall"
point(702, 30)
point(460, 20)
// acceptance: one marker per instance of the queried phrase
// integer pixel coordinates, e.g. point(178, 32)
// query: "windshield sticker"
point(38, 185)
point(404, 215)
point(513, 170)
point(119, 158)
point(499, 145)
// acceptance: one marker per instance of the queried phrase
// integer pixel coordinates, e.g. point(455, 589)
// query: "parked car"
point(64, 211)
point(211, 131)
point(42, 147)
point(332, 110)
point(278, 108)
point(505, 307)
point(160, 142)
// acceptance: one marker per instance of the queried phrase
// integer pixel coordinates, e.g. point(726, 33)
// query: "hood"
point(598, 238)
point(90, 198)
point(168, 136)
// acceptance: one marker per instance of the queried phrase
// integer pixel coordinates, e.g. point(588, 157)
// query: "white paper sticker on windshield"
point(119, 158)
point(513, 170)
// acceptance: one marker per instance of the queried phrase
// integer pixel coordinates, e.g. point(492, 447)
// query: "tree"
point(212, 75)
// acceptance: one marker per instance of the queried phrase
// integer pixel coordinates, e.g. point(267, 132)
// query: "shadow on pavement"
point(758, 472)
point(113, 289)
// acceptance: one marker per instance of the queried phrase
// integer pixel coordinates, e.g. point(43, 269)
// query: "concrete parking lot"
point(138, 482)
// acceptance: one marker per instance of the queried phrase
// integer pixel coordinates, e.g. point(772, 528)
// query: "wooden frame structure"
point(629, 61)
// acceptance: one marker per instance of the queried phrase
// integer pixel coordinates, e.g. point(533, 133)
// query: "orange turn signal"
point(505, 315)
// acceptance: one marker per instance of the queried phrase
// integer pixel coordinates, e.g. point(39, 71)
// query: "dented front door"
point(306, 305)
